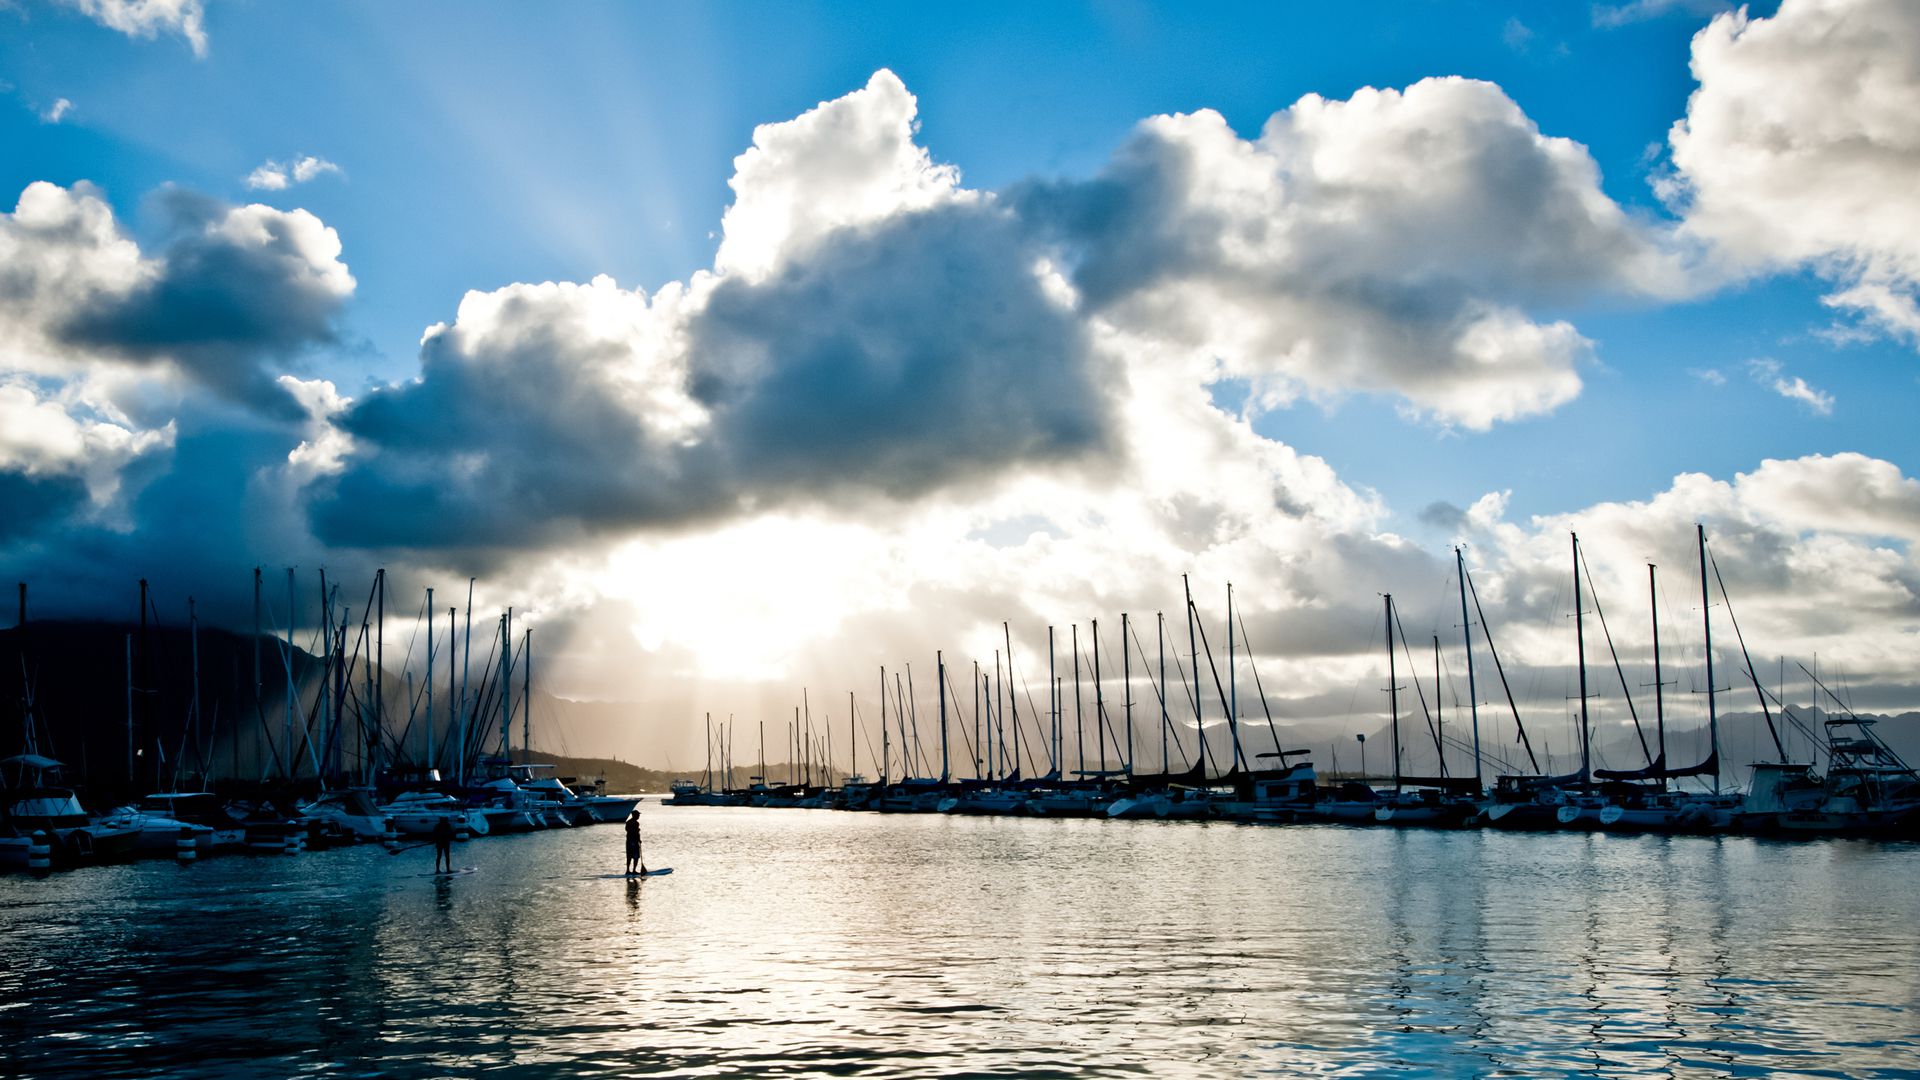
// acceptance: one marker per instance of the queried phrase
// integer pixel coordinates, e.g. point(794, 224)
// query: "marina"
point(1864, 788)
point(1056, 541)
point(350, 773)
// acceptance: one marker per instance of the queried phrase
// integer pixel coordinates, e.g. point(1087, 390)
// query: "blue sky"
point(486, 144)
point(479, 146)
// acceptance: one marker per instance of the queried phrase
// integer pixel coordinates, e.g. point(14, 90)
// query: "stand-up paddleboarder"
point(634, 865)
point(443, 845)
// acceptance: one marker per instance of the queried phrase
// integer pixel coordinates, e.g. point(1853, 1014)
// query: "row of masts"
point(469, 712)
point(996, 743)
point(343, 733)
point(1657, 768)
point(997, 747)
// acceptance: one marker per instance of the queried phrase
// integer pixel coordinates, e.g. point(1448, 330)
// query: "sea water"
point(791, 943)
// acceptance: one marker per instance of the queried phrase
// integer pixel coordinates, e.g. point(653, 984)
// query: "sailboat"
point(1537, 801)
point(32, 801)
point(1645, 801)
point(1438, 800)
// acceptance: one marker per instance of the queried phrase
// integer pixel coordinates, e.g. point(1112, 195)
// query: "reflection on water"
point(811, 942)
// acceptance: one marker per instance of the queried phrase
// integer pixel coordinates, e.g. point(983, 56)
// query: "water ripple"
point(820, 944)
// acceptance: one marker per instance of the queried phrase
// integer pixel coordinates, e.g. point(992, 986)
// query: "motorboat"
point(32, 804)
point(415, 813)
point(349, 816)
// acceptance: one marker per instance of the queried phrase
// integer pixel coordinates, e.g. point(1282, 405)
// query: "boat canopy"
point(1444, 783)
point(1659, 771)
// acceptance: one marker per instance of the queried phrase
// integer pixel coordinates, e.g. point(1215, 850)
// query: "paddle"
point(409, 847)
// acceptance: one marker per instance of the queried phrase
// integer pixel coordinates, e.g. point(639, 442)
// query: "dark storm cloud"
point(911, 355)
point(890, 360)
point(197, 528)
point(33, 502)
point(1444, 516)
point(237, 293)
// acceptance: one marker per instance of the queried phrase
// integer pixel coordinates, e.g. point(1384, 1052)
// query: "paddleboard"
point(628, 877)
point(462, 872)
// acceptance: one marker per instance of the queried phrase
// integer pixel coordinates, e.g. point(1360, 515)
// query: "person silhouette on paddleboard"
point(634, 865)
point(443, 846)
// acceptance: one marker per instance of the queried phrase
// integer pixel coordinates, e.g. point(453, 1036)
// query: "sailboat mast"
point(1439, 711)
point(326, 676)
point(900, 714)
point(1706, 621)
point(1466, 631)
point(912, 702)
point(1126, 681)
point(1659, 703)
point(1099, 700)
point(998, 728)
point(1233, 685)
point(1013, 697)
point(1193, 650)
point(379, 673)
point(466, 689)
point(1053, 705)
point(146, 692)
point(940, 665)
point(884, 752)
point(506, 685)
point(526, 693)
point(340, 694)
point(287, 739)
point(1166, 723)
point(1393, 695)
point(1580, 639)
point(1079, 722)
point(429, 677)
point(458, 750)
point(978, 748)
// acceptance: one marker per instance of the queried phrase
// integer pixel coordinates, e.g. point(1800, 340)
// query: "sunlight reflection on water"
point(818, 943)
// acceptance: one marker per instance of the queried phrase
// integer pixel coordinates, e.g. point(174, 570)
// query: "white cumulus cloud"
point(1801, 146)
point(1391, 243)
point(280, 175)
point(150, 18)
point(1794, 388)
point(1612, 15)
point(846, 162)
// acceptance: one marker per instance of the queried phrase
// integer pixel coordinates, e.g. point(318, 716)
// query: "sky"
point(744, 348)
